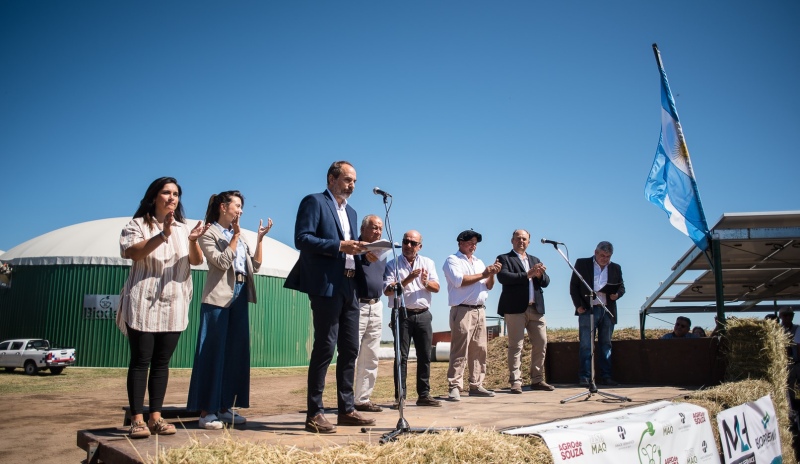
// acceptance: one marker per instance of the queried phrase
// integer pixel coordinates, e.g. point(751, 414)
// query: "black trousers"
point(151, 350)
point(416, 327)
point(335, 327)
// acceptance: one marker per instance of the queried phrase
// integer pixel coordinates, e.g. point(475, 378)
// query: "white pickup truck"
point(34, 354)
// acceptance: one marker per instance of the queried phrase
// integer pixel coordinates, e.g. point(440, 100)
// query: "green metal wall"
point(47, 302)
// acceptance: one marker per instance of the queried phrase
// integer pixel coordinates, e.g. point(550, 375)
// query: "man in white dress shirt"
point(417, 275)
point(468, 285)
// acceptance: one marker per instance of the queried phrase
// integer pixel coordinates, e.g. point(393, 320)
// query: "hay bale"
point(756, 349)
point(472, 445)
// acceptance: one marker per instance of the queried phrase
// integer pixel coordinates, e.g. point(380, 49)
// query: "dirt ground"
point(42, 426)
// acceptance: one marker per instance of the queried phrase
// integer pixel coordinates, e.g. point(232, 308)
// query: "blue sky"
point(484, 115)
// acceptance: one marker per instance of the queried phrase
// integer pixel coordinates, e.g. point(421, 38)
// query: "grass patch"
point(77, 378)
point(71, 380)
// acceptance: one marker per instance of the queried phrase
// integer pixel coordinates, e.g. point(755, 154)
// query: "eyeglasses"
point(410, 242)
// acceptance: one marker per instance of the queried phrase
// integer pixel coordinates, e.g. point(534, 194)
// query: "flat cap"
point(468, 235)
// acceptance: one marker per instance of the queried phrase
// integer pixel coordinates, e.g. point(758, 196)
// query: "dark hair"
point(684, 319)
point(212, 213)
point(336, 169)
point(147, 205)
point(700, 329)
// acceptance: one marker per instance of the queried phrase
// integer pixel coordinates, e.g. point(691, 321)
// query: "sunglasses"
point(410, 242)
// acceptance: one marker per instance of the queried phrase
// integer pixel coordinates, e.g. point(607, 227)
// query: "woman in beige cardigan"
point(221, 369)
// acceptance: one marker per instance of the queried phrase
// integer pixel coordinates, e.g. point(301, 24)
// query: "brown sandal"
point(160, 427)
point(139, 429)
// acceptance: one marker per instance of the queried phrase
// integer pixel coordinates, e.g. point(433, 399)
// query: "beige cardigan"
point(221, 278)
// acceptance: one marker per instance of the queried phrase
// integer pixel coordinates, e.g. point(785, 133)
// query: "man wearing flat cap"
point(468, 285)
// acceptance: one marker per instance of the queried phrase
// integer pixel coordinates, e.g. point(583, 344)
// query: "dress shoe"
point(319, 424)
point(544, 386)
point(369, 406)
point(480, 391)
point(516, 389)
point(428, 400)
point(608, 381)
point(354, 418)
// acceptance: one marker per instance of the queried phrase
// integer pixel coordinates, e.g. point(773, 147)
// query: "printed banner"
point(657, 433)
point(749, 433)
point(100, 306)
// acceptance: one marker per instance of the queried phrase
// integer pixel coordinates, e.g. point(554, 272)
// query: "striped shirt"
point(158, 291)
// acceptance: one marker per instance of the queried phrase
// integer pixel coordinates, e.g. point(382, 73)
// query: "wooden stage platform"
point(505, 410)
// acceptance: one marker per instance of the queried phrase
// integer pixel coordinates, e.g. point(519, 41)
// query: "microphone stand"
point(399, 314)
point(592, 296)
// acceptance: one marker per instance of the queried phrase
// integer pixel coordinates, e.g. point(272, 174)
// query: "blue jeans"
point(604, 327)
point(221, 368)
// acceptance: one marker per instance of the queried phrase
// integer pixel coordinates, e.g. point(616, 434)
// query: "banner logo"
point(570, 449)
point(734, 438)
point(598, 444)
point(652, 451)
point(100, 306)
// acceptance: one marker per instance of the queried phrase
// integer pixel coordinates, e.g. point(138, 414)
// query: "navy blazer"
point(585, 267)
point(515, 296)
point(317, 233)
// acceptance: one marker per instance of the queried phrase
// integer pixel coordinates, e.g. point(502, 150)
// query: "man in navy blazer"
point(522, 306)
point(325, 232)
point(606, 279)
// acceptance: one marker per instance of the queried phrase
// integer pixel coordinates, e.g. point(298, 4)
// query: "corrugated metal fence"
point(47, 302)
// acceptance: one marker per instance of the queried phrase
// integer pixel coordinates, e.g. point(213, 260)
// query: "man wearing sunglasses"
point(418, 278)
point(468, 285)
point(681, 329)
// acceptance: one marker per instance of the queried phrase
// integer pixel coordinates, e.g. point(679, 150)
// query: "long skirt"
point(221, 369)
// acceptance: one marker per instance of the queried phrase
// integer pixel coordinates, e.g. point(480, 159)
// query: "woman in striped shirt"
point(154, 303)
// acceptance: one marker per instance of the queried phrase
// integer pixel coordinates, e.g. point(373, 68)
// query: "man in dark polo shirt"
point(417, 275)
point(369, 288)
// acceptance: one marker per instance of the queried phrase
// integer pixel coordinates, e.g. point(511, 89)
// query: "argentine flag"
point(671, 184)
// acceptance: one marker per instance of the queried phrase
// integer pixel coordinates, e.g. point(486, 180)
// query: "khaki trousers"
point(467, 346)
point(516, 325)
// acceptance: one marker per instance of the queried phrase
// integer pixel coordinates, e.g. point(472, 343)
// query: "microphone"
point(378, 191)
point(551, 242)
